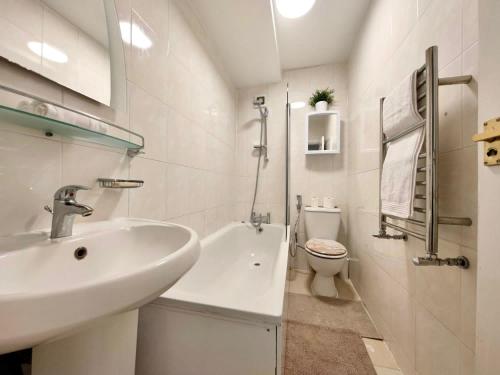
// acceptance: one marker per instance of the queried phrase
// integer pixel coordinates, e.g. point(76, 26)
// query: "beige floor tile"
point(380, 354)
point(387, 371)
point(301, 283)
point(346, 290)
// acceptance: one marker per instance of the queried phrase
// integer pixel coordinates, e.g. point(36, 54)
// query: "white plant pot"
point(321, 106)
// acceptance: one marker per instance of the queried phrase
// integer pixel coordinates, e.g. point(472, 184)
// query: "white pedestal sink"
point(105, 347)
point(50, 289)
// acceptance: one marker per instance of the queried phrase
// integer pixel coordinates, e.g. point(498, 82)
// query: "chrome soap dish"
point(112, 183)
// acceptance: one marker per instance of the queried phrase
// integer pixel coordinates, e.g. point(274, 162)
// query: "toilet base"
point(324, 286)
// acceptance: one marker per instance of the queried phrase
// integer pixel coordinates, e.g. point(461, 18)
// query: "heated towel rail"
point(426, 198)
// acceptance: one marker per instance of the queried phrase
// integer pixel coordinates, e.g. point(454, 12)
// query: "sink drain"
point(256, 264)
point(80, 253)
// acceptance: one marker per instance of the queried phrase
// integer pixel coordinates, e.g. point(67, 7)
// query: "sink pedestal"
point(107, 347)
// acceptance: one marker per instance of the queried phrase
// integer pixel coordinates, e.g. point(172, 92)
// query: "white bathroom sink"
point(46, 292)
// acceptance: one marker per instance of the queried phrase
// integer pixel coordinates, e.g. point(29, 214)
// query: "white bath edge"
point(175, 298)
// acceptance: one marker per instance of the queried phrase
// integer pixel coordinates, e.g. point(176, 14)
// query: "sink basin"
point(48, 288)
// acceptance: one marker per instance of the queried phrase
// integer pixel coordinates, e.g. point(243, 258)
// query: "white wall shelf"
point(322, 133)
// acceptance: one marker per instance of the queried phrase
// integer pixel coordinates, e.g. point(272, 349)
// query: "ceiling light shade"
point(294, 8)
point(48, 52)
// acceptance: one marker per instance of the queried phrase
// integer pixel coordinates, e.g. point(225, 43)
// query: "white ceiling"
point(243, 33)
point(324, 35)
point(255, 43)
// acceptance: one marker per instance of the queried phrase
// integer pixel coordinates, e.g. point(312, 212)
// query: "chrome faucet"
point(258, 220)
point(64, 210)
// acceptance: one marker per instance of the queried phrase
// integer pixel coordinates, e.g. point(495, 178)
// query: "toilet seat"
point(323, 248)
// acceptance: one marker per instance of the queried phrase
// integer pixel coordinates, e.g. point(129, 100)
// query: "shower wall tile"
point(470, 25)
point(107, 203)
point(154, 13)
point(458, 193)
point(152, 60)
point(211, 186)
point(179, 98)
point(450, 109)
point(313, 175)
point(404, 327)
point(404, 18)
point(148, 201)
point(437, 349)
point(194, 221)
point(467, 363)
point(178, 140)
point(31, 173)
point(148, 117)
point(470, 66)
point(467, 332)
point(422, 6)
point(438, 289)
point(179, 88)
point(392, 256)
point(177, 192)
point(430, 322)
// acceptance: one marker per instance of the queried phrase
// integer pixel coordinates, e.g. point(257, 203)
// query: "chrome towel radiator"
point(426, 197)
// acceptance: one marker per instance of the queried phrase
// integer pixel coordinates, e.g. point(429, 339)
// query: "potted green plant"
point(321, 98)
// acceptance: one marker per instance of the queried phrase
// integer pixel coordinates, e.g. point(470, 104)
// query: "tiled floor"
point(379, 353)
point(381, 357)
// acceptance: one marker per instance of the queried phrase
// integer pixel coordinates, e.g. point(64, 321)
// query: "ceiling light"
point(297, 105)
point(48, 52)
point(133, 34)
point(294, 8)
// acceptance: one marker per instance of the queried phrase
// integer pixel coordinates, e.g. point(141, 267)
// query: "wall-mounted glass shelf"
point(32, 112)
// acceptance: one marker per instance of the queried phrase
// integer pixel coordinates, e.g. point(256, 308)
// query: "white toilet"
point(325, 255)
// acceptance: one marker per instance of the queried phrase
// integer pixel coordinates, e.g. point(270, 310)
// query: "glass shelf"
point(25, 110)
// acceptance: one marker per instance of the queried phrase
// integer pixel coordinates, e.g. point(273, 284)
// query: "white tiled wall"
point(310, 175)
point(427, 315)
point(178, 99)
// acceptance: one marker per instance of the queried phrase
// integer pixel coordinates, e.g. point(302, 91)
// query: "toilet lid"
point(325, 247)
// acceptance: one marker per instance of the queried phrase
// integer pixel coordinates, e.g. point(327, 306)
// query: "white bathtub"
point(224, 316)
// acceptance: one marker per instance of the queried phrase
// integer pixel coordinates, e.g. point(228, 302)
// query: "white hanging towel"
point(399, 171)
